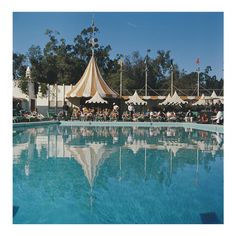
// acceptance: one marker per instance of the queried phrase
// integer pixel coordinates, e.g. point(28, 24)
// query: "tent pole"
point(198, 82)
point(172, 81)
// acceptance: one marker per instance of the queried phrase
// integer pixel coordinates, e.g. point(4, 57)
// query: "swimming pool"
point(118, 175)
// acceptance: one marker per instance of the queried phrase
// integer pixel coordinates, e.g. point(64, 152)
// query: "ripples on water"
point(117, 175)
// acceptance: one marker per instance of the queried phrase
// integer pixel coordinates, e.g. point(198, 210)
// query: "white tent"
point(213, 95)
point(213, 99)
point(201, 101)
point(96, 99)
point(167, 100)
point(175, 99)
point(136, 100)
point(216, 98)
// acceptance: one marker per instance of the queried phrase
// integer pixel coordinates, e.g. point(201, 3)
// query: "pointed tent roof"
point(174, 147)
point(96, 99)
point(90, 83)
point(213, 95)
point(90, 158)
point(201, 101)
point(176, 99)
point(139, 144)
point(135, 99)
point(167, 100)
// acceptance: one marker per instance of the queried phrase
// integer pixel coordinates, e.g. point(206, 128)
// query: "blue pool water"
point(118, 175)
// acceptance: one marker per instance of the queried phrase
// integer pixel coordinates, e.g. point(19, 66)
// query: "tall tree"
point(82, 50)
point(163, 62)
point(19, 65)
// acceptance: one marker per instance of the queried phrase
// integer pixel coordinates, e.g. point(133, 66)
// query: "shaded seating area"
point(28, 117)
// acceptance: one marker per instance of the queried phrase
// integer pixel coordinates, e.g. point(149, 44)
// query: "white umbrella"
point(135, 145)
point(174, 147)
point(176, 99)
point(201, 101)
point(96, 99)
point(167, 100)
point(136, 100)
point(213, 95)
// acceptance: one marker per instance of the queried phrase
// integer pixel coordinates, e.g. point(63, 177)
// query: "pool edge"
point(207, 127)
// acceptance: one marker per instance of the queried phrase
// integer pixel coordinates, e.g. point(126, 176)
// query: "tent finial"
point(93, 41)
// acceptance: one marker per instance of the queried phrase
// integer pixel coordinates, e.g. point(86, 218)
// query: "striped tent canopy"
point(90, 158)
point(90, 83)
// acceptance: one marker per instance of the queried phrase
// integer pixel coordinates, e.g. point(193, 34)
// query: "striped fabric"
point(90, 83)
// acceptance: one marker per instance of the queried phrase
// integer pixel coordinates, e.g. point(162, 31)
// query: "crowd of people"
point(84, 113)
point(105, 114)
point(94, 114)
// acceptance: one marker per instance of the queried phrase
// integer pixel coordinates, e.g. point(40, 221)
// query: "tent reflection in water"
point(91, 159)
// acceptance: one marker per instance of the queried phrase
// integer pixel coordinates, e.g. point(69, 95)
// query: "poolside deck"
point(206, 127)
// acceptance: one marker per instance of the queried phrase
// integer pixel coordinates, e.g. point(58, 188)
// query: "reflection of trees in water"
point(158, 163)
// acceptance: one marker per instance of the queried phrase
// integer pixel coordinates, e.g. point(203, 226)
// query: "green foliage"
point(43, 88)
point(19, 65)
point(62, 63)
point(23, 85)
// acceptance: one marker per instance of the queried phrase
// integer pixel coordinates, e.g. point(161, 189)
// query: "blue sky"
point(188, 35)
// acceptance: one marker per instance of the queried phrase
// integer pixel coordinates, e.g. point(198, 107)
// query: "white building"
point(52, 101)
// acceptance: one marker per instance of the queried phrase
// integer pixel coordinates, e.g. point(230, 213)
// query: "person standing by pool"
point(65, 109)
point(18, 108)
point(116, 108)
point(131, 109)
point(189, 116)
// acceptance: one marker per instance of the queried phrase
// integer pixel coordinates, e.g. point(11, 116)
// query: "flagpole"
point(172, 81)
point(121, 80)
point(198, 77)
point(198, 82)
point(171, 78)
point(146, 72)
